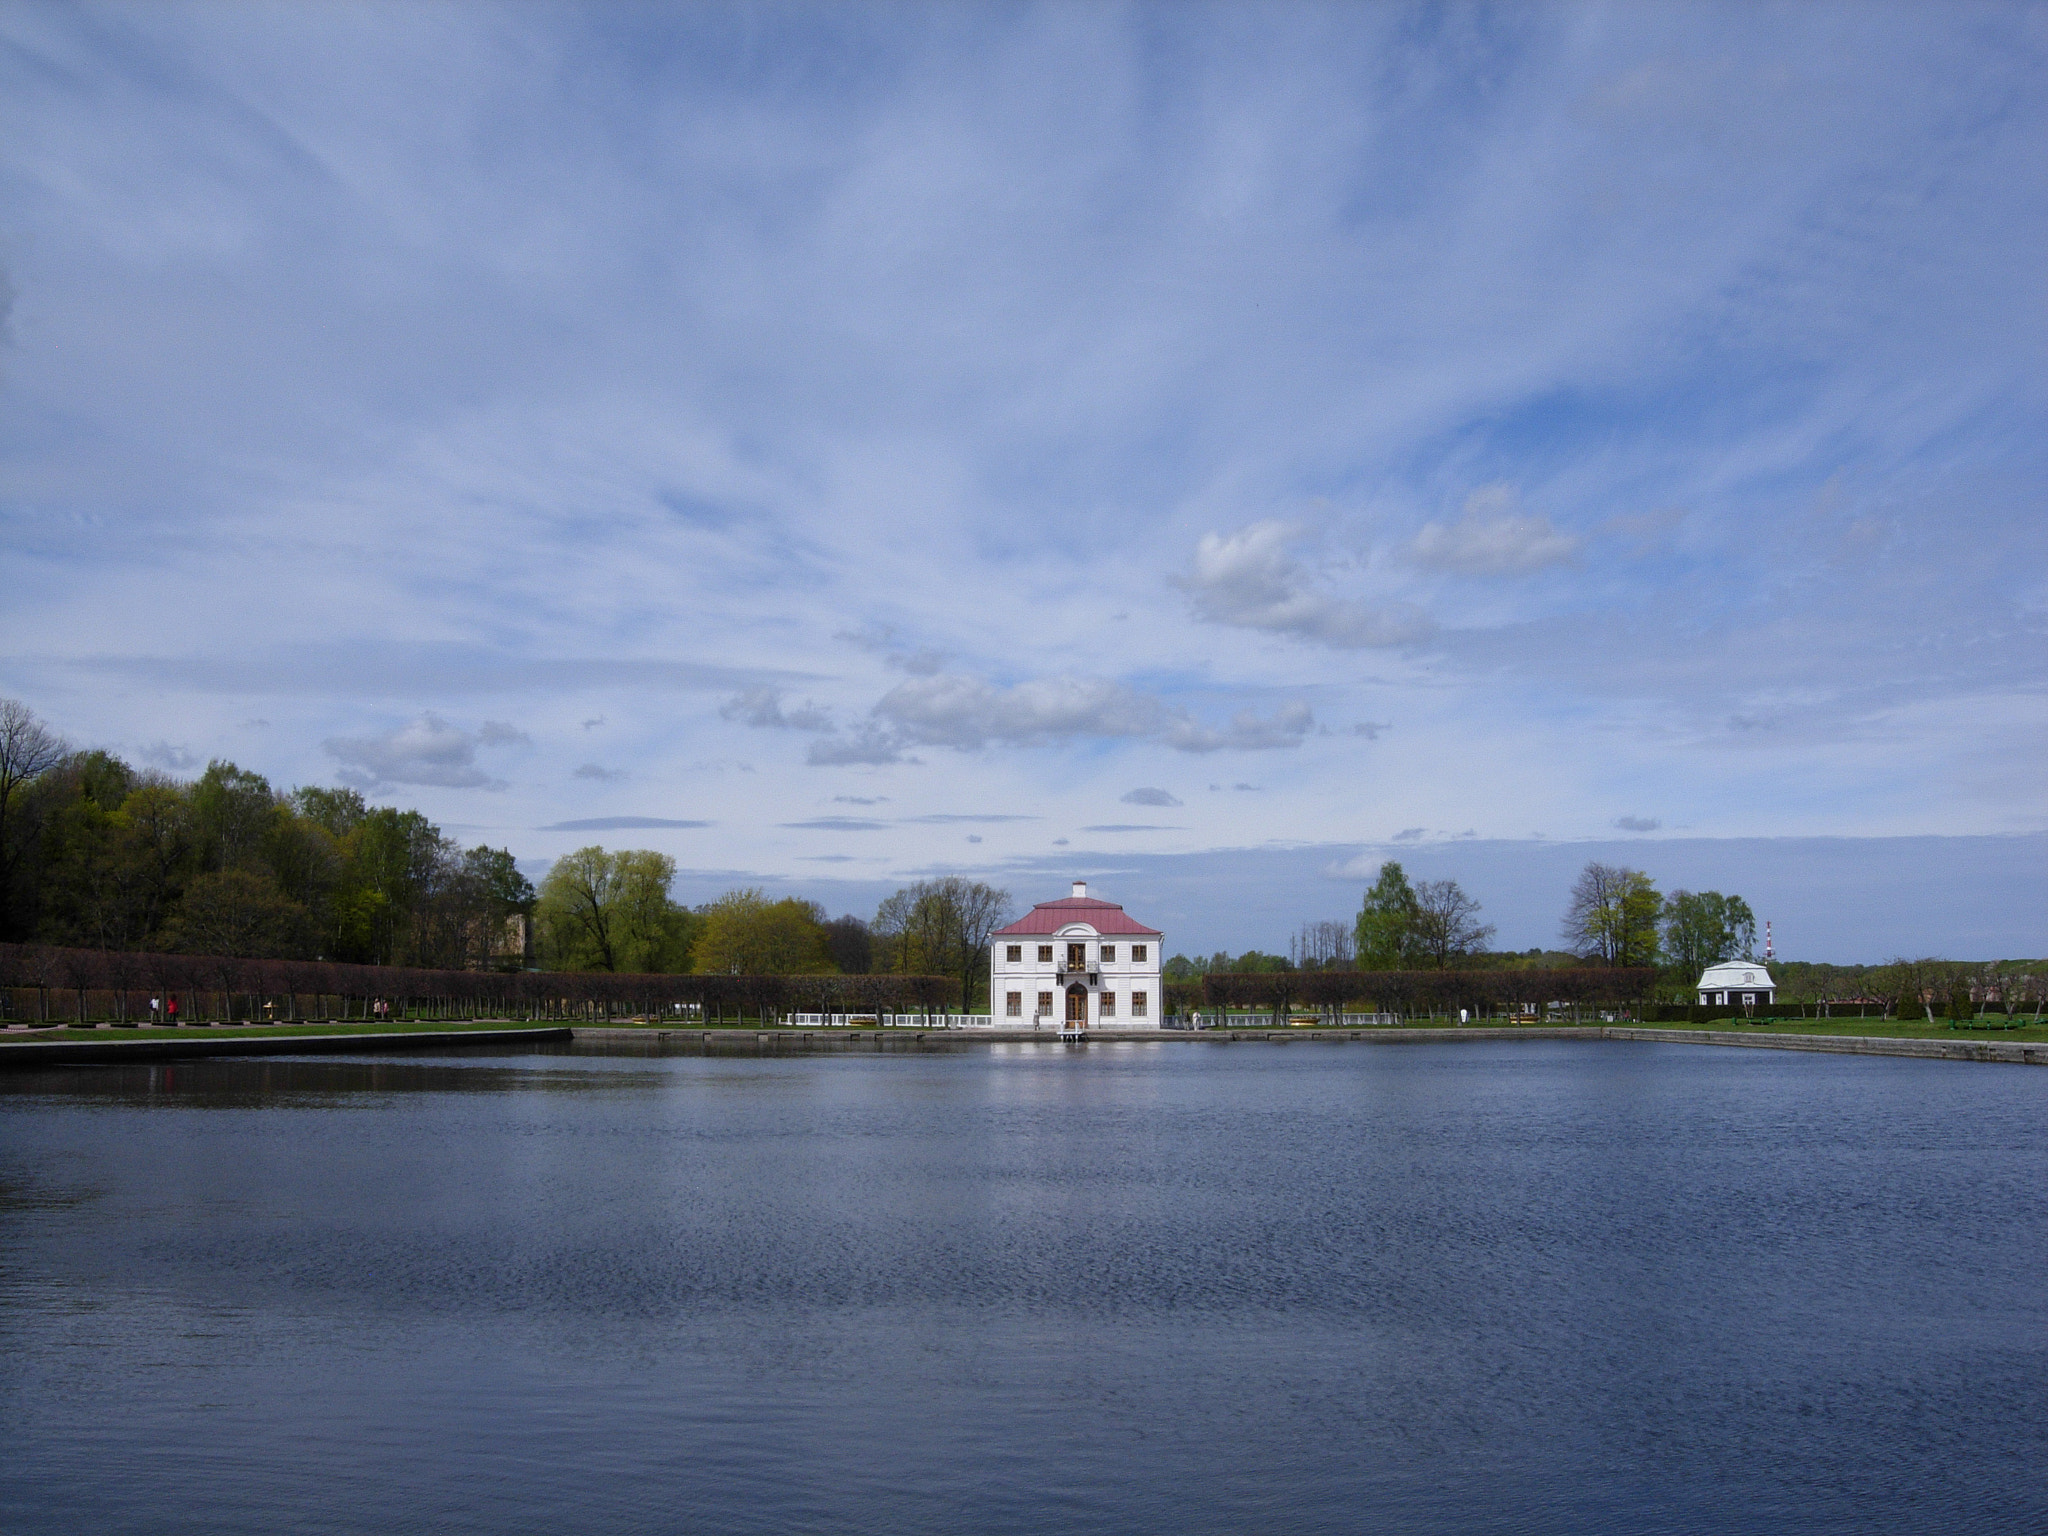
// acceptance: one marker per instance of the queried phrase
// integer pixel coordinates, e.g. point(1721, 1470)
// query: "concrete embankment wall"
point(2013, 1052)
point(65, 1053)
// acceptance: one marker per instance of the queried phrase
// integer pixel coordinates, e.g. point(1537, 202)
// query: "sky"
point(1200, 450)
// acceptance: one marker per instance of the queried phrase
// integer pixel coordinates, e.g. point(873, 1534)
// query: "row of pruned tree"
point(80, 983)
point(1481, 992)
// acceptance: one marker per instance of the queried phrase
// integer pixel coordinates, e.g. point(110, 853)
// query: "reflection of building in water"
point(1074, 963)
point(1736, 983)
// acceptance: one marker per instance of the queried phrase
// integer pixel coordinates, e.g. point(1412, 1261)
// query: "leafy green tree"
point(600, 911)
point(1703, 928)
point(232, 811)
point(1387, 936)
point(238, 912)
point(746, 934)
point(1612, 916)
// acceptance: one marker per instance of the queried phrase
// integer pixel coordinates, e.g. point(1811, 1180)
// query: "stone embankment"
point(2014, 1052)
point(34, 1053)
point(67, 1053)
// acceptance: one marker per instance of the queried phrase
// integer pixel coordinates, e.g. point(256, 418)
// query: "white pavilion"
point(1075, 963)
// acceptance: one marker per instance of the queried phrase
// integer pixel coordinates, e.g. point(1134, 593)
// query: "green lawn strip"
point(1886, 1029)
point(268, 1031)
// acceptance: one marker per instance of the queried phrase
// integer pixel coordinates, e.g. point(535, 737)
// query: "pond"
point(1187, 1287)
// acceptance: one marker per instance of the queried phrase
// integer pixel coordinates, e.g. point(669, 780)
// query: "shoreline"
point(28, 1054)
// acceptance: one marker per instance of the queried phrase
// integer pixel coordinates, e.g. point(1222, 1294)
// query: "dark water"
point(1181, 1288)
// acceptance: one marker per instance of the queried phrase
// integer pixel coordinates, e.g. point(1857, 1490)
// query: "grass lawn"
point(265, 1031)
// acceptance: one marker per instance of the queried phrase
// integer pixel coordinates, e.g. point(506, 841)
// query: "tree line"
point(96, 854)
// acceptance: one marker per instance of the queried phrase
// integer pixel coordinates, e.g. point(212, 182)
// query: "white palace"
point(1074, 963)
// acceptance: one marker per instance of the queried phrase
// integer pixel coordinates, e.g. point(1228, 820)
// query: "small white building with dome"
point(1736, 984)
point(1074, 964)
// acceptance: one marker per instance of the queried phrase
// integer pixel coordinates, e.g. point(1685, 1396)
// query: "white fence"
point(890, 1020)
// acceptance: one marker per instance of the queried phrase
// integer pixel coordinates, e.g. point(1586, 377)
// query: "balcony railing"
point(1093, 974)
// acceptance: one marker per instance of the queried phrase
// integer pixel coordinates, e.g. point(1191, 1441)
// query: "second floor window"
point(1137, 954)
point(1045, 952)
point(1014, 953)
point(1077, 957)
point(1109, 954)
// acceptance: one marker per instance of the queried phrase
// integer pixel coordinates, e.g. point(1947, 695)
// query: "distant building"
point(1736, 983)
point(1074, 963)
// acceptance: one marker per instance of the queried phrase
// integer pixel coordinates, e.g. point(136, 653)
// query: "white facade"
point(1736, 983)
point(1076, 963)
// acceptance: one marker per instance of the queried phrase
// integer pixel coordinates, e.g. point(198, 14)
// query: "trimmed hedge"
point(124, 976)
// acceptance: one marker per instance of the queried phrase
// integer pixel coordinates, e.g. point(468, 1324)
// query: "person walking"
point(171, 1008)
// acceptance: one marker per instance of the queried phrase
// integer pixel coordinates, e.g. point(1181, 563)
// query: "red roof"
point(1052, 916)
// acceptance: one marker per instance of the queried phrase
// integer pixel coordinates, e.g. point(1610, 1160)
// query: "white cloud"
point(165, 755)
point(425, 750)
point(1148, 797)
point(1251, 580)
point(1492, 539)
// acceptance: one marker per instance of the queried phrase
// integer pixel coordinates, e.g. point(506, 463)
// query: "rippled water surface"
point(1177, 1288)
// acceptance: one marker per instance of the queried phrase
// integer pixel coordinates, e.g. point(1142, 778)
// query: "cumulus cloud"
point(596, 771)
point(762, 707)
point(1251, 580)
point(1148, 797)
point(1637, 823)
point(871, 744)
point(1492, 539)
point(425, 750)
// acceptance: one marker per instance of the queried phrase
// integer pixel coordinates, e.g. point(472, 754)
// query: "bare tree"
point(1323, 946)
point(943, 926)
point(1446, 922)
point(28, 749)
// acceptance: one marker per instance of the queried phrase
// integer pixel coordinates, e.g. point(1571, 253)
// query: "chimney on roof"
point(1080, 887)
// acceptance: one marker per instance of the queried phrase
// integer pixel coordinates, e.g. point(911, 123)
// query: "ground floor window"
point(1108, 1010)
point(1013, 1005)
point(1138, 1002)
point(1045, 1002)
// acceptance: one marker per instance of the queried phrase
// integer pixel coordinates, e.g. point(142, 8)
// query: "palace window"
point(1077, 957)
point(1014, 953)
point(1109, 954)
point(1137, 954)
point(1138, 1001)
point(1045, 1002)
point(1044, 952)
point(1013, 1005)
point(1108, 1009)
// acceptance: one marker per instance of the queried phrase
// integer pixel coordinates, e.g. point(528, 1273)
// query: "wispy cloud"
point(620, 824)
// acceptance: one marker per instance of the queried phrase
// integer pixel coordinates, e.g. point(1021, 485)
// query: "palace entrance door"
point(1077, 1007)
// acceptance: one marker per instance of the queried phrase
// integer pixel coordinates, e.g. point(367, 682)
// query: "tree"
point(1386, 923)
point(746, 934)
point(1704, 928)
point(1324, 946)
point(578, 911)
point(851, 945)
point(238, 912)
point(1446, 925)
point(1612, 916)
point(942, 927)
point(28, 749)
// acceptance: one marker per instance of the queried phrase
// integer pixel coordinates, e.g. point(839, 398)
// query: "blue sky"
point(832, 444)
